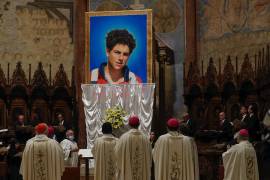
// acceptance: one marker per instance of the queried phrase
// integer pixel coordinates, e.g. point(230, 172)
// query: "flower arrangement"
point(115, 116)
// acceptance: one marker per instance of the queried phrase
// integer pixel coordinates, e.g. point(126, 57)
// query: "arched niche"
point(211, 91)
point(18, 104)
point(231, 101)
point(3, 112)
point(246, 92)
point(193, 93)
point(40, 111)
point(62, 103)
point(229, 89)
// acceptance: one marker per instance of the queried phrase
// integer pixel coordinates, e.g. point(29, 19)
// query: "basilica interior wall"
point(232, 59)
point(36, 59)
point(231, 28)
point(31, 32)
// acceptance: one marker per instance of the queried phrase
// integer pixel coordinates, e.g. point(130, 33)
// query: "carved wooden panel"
point(213, 109)
point(193, 76)
point(210, 160)
point(17, 107)
point(18, 76)
point(3, 80)
point(61, 106)
point(247, 72)
point(232, 107)
point(40, 108)
point(211, 73)
point(228, 72)
point(197, 112)
point(2, 114)
point(40, 79)
point(251, 99)
point(60, 78)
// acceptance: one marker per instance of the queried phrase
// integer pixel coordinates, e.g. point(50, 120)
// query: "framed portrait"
point(118, 47)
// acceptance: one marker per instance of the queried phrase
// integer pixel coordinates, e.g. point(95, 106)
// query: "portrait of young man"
point(119, 46)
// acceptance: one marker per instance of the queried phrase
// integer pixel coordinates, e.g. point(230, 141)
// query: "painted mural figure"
point(119, 46)
point(235, 13)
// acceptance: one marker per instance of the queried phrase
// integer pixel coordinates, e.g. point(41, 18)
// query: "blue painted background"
point(135, 24)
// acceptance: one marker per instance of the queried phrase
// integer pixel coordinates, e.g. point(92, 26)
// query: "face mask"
point(71, 138)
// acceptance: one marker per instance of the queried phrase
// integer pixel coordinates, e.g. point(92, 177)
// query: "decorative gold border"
point(147, 12)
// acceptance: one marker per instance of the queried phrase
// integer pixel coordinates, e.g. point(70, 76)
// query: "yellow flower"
point(115, 116)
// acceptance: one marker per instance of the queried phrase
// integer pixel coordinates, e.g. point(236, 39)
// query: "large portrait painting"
point(119, 47)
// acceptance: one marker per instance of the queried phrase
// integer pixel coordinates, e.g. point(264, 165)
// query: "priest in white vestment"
point(43, 157)
point(240, 161)
point(175, 155)
point(70, 149)
point(104, 155)
point(133, 152)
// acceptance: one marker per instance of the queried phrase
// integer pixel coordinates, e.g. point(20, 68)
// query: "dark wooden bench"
point(3, 170)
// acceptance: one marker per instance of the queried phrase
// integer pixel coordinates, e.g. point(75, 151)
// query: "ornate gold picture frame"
point(138, 23)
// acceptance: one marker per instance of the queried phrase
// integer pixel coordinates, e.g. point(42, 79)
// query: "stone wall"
point(232, 28)
point(31, 35)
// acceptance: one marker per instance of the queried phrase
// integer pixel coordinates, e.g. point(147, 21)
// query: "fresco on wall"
point(30, 34)
point(232, 27)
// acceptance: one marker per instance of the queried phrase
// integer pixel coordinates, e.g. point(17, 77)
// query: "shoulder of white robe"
point(232, 150)
point(63, 142)
point(132, 78)
point(162, 137)
point(94, 75)
point(159, 144)
point(55, 144)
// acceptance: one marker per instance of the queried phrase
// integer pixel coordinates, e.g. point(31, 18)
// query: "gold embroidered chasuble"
point(175, 157)
point(42, 159)
point(133, 152)
point(240, 162)
point(105, 160)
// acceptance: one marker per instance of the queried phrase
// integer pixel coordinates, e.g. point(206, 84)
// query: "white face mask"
point(71, 138)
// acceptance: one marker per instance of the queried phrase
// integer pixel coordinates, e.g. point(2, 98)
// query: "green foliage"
point(115, 116)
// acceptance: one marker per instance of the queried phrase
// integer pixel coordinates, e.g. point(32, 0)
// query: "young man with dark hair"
point(104, 155)
point(119, 46)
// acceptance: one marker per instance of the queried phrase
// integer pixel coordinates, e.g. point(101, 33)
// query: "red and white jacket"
point(98, 76)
